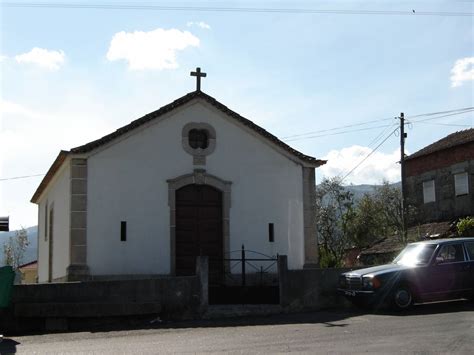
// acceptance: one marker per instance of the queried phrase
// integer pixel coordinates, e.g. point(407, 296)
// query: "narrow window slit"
point(123, 231)
point(271, 235)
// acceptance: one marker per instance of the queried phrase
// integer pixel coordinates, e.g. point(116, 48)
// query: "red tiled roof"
point(30, 265)
point(424, 231)
point(452, 140)
point(161, 111)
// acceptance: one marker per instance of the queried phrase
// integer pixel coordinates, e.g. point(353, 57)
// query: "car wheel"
point(402, 298)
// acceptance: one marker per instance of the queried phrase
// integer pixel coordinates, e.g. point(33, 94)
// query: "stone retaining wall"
point(309, 289)
point(41, 307)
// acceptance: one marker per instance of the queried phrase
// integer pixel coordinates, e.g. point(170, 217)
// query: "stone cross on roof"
point(198, 74)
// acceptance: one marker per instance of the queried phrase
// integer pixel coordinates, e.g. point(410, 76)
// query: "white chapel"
point(191, 178)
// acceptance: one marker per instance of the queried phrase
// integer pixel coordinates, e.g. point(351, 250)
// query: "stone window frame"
point(199, 155)
point(199, 177)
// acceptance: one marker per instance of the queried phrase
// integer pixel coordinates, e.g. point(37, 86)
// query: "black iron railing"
point(246, 263)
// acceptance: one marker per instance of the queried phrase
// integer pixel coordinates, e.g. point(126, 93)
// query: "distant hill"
point(360, 190)
point(31, 251)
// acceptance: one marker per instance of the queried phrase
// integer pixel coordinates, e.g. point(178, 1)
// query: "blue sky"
point(290, 73)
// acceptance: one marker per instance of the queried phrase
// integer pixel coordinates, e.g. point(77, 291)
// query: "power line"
point(335, 134)
point(21, 177)
point(151, 7)
point(383, 133)
point(438, 117)
point(309, 135)
point(442, 112)
point(445, 124)
point(368, 155)
point(336, 128)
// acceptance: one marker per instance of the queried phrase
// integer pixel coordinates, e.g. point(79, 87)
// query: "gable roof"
point(182, 101)
point(88, 147)
point(452, 140)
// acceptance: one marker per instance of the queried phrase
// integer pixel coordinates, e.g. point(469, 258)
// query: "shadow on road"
point(432, 308)
point(329, 318)
point(8, 346)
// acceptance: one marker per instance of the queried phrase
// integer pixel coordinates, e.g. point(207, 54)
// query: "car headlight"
point(370, 282)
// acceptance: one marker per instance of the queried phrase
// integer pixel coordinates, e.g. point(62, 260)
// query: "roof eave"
point(58, 162)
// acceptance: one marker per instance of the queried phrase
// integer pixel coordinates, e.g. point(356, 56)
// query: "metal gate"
point(255, 284)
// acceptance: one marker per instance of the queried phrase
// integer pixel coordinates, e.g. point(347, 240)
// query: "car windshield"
point(415, 254)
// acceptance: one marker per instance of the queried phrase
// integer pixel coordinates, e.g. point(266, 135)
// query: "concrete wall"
point(447, 206)
point(127, 181)
point(57, 196)
point(309, 289)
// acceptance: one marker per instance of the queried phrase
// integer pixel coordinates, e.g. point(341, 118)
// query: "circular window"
point(198, 140)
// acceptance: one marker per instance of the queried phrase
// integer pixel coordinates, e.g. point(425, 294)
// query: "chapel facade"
point(192, 178)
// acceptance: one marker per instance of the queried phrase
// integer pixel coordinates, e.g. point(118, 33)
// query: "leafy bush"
point(465, 227)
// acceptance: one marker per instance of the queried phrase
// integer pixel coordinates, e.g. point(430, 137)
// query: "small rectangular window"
point(461, 185)
point(123, 231)
point(46, 221)
point(271, 235)
point(429, 191)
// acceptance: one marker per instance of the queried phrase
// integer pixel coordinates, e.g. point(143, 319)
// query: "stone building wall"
point(441, 167)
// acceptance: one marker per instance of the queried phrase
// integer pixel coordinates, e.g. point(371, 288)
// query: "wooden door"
point(199, 229)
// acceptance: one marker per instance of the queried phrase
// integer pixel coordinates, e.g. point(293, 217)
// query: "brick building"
point(440, 178)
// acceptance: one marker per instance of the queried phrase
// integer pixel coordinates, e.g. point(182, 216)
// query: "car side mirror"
point(439, 260)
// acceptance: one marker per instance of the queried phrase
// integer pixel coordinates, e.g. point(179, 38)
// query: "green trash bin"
point(7, 276)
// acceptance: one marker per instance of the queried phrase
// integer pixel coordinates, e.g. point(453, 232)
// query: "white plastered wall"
point(127, 181)
point(57, 196)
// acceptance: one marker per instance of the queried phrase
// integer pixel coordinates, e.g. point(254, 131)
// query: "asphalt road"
point(436, 328)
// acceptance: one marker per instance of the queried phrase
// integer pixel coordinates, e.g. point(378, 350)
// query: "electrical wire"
point(373, 142)
point(368, 155)
point(445, 124)
point(336, 128)
point(131, 6)
point(467, 109)
point(21, 177)
point(438, 117)
point(381, 134)
point(309, 135)
point(334, 134)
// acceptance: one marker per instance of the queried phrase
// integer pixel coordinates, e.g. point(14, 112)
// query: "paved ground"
point(436, 328)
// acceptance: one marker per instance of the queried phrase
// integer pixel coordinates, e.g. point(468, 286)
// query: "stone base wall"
point(55, 306)
point(309, 289)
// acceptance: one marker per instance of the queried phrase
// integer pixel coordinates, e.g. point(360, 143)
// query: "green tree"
point(368, 224)
point(465, 227)
point(334, 212)
point(14, 248)
point(379, 215)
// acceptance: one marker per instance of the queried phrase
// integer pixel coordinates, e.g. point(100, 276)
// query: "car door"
point(449, 270)
point(469, 281)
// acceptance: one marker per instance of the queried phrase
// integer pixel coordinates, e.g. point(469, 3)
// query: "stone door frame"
point(199, 177)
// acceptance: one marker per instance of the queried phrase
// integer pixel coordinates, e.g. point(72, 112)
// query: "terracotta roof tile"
point(452, 140)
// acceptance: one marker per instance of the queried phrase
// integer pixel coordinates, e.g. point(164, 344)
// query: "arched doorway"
point(199, 229)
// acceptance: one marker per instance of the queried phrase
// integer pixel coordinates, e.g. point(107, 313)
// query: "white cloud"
point(31, 137)
point(377, 168)
point(200, 24)
point(2, 57)
point(44, 58)
point(463, 70)
point(150, 50)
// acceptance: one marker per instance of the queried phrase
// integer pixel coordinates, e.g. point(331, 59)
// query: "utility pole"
point(403, 136)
